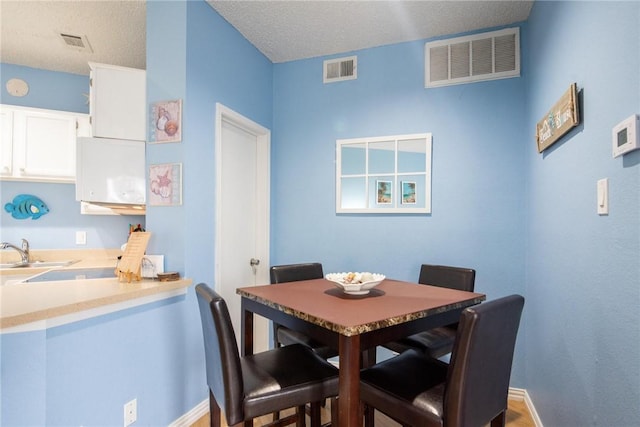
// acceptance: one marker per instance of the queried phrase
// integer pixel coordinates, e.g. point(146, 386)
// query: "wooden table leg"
point(246, 325)
point(349, 397)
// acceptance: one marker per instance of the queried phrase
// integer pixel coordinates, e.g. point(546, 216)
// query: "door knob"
point(254, 263)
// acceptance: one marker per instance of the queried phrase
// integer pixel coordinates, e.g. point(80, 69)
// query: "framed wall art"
point(408, 192)
point(165, 184)
point(166, 121)
point(559, 120)
point(384, 175)
point(384, 193)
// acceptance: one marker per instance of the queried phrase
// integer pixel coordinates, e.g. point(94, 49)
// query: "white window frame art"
point(357, 186)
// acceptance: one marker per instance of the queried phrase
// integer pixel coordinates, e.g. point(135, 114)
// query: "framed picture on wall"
point(166, 121)
point(384, 192)
point(408, 192)
point(165, 184)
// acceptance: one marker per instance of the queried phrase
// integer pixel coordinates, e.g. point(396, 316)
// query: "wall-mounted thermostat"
point(625, 136)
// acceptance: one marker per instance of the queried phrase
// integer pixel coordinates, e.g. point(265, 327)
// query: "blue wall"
point(525, 221)
point(479, 141)
point(583, 270)
point(47, 89)
point(83, 373)
point(56, 230)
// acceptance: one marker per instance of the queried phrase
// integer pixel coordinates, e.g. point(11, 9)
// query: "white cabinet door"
point(83, 126)
point(118, 102)
point(49, 145)
point(40, 145)
point(6, 142)
point(111, 171)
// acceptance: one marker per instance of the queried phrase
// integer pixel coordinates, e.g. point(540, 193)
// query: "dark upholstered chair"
point(437, 342)
point(251, 386)
point(471, 390)
point(282, 335)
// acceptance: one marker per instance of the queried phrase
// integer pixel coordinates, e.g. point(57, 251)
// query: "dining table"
point(353, 324)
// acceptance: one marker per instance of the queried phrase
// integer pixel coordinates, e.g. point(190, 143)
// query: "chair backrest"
point(224, 372)
point(480, 368)
point(295, 272)
point(462, 279)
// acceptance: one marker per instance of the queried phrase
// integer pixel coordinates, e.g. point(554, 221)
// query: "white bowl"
point(358, 286)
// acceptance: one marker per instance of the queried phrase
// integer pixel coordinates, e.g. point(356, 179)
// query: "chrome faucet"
point(24, 252)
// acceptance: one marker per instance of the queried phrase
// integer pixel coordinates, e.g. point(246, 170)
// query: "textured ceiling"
point(29, 33)
point(282, 30)
point(290, 30)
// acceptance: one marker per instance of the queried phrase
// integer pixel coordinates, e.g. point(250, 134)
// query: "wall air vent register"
point(485, 56)
point(340, 69)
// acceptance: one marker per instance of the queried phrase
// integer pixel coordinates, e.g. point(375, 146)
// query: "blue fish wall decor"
point(25, 206)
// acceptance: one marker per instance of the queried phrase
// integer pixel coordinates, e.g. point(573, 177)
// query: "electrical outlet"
point(81, 237)
point(130, 412)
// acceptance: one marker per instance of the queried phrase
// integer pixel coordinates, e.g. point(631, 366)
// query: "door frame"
point(263, 185)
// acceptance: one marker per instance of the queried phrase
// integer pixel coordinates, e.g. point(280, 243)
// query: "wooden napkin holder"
point(130, 265)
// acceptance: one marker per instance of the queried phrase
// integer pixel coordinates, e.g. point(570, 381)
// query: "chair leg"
point(276, 344)
point(368, 357)
point(314, 414)
point(214, 411)
point(369, 419)
point(302, 412)
point(500, 419)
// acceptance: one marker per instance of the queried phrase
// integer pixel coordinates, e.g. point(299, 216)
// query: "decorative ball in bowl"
point(355, 283)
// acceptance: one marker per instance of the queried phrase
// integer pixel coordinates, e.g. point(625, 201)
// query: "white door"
point(242, 213)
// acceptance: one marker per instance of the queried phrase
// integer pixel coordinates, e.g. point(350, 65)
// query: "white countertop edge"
point(94, 312)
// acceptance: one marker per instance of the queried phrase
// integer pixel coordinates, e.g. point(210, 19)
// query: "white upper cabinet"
point(6, 139)
point(39, 145)
point(118, 102)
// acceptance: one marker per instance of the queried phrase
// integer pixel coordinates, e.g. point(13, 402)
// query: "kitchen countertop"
point(83, 258)
point(38, 305)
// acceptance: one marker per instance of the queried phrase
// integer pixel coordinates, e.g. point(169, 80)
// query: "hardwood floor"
point(517, 416)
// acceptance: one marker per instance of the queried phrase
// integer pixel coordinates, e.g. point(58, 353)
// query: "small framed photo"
point(166, 121)
point(165, 184)
point(384, 193)
point(408, 192)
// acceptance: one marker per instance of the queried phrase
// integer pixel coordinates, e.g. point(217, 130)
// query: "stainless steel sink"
point(72, 274)
point(38, 264)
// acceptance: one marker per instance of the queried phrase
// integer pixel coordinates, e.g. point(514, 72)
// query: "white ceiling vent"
point(79, 43)
point(486, 56)
point(336, 70)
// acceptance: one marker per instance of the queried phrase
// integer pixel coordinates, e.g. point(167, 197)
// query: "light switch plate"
point(603, 196)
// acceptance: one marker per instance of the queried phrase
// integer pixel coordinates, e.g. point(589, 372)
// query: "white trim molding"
point(190, 418)
point(202, 408)
point(521, 394)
